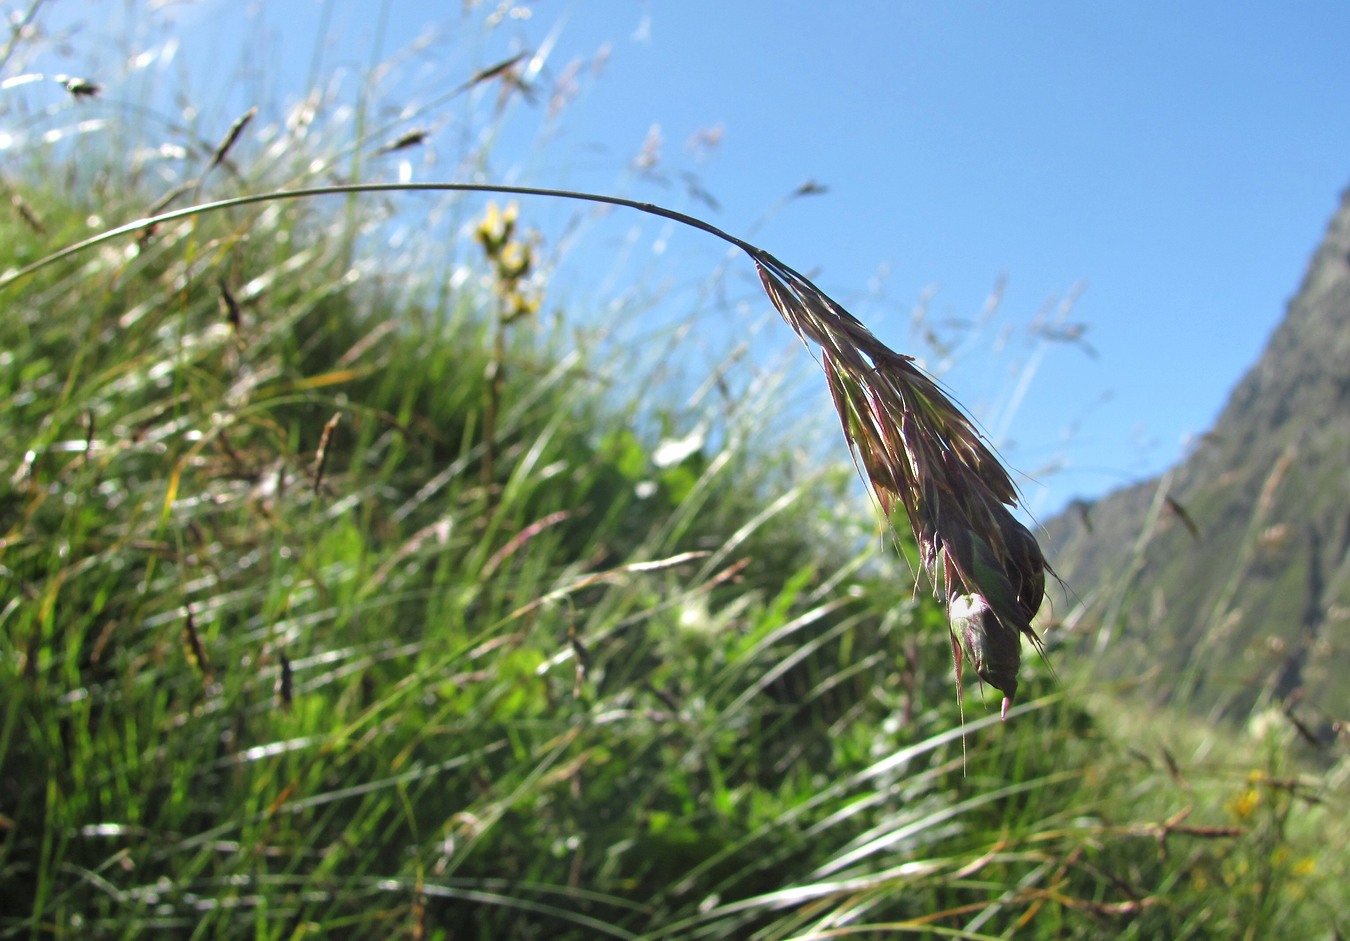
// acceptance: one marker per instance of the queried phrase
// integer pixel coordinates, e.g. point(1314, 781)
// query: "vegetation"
point(1230, 573)
point(340, 600)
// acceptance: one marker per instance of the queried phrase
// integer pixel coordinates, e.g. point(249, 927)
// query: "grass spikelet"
point(919, 451)
point(192, 643)
point(321, 453)
point(231, 138)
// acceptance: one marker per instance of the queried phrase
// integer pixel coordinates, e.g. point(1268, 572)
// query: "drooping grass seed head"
point(922, 455)
point(994, 649)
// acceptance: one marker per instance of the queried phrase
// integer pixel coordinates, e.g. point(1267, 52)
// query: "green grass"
point(438, 726)
point(265, 683)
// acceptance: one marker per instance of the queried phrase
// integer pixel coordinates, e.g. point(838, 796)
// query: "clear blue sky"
point(1178, 161)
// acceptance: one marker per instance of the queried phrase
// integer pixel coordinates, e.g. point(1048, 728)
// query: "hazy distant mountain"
point(1226, 583)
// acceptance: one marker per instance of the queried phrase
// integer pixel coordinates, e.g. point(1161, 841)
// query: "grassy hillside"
point(337, 604)
point(1231, 576)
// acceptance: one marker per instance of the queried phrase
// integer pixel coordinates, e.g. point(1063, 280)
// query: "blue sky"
point(1170, 165)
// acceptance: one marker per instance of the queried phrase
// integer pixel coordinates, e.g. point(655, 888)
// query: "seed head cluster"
point(922, 455)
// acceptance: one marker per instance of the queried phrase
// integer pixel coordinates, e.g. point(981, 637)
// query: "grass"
point(295, 643)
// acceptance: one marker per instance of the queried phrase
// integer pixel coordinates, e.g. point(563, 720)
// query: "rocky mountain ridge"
point(1225, 583)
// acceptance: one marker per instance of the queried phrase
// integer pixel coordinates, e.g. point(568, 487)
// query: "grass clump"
point(284, 655)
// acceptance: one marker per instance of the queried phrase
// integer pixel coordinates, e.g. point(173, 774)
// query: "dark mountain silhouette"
point(1225, 584)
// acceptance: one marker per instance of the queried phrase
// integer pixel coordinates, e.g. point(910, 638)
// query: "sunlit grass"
point(286, 653)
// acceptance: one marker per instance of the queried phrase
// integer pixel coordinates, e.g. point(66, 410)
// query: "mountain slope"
point(1226, 583)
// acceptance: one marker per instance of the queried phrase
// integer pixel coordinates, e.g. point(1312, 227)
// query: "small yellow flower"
point(1245, 804)
point(519, 305)
point(514, 261)
point(497, 226)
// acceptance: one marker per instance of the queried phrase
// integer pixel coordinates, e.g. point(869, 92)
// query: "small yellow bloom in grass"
point(514, 261)
point(1245, 804)
point(497, 226)
point(519, 304)
point(1305, 866)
